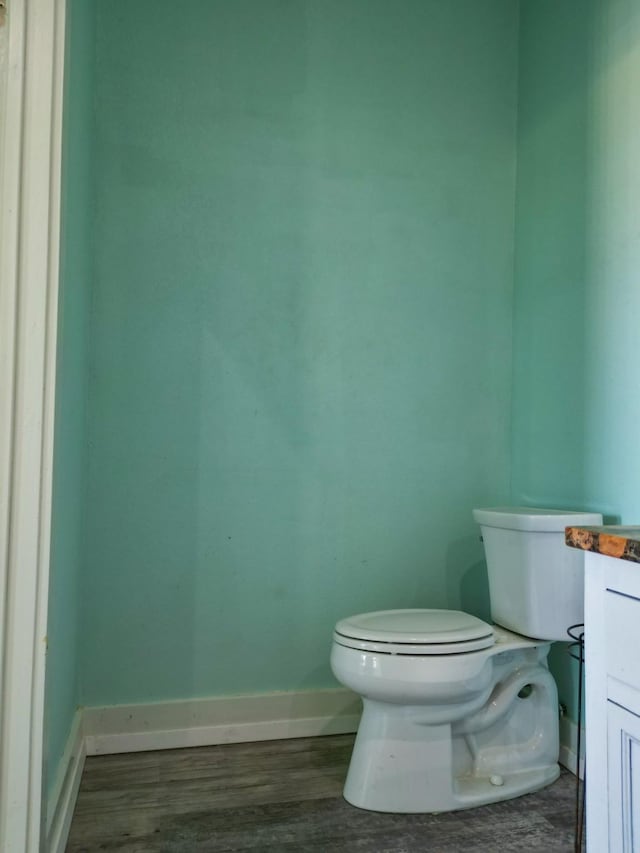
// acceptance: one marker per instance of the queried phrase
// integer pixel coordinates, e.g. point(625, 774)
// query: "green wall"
point(300, 343)
point(298, 222)
point(577, 299)
point(298, 225)
point(612, 358)
point(548, 443)
point(70, 440)
point(577, 289)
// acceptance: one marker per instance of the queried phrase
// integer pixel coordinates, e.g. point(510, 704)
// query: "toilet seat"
point(414, 632)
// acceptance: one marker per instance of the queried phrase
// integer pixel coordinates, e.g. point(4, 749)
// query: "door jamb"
point(32, 63)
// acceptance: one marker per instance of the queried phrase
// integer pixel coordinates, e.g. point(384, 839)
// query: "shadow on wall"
point(467, 586)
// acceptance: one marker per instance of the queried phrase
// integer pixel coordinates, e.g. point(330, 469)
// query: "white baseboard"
point(62, 800)
point(206, 722)
point(569, 746)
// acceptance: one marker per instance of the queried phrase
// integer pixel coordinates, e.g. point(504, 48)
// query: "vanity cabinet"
point(612, 675)
point(624, 778)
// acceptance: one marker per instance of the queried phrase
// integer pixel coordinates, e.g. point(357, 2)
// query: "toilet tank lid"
point(534, 519)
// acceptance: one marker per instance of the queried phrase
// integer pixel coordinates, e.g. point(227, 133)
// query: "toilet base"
point(469, 793)
point(401, 763)
point(481, 791)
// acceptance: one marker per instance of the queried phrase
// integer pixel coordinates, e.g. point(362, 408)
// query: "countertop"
point(610, 540)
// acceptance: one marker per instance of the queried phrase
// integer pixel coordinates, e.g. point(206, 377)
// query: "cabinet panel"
point(622, 625)
point(624, 779)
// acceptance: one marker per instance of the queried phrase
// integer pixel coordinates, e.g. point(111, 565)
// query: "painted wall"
point(549, 292)
point(577, 293)
point(612, 359)
point(300, 330)
point(67, 546)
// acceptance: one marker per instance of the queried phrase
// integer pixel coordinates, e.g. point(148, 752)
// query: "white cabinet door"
point(624, 779)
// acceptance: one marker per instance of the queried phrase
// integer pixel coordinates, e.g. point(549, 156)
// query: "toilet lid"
point(415, 632)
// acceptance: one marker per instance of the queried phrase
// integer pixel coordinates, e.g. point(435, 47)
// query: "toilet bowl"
point(458, 712)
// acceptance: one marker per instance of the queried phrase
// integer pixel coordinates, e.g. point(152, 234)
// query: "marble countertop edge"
point(622, 542)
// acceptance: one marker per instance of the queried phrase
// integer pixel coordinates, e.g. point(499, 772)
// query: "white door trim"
point(30, 164)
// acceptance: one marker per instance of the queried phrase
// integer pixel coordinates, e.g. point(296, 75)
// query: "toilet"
point(458, 712)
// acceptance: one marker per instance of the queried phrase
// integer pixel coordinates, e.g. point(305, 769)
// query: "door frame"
point(31, 76)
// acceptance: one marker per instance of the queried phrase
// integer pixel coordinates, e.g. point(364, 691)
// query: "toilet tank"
point(536, 583)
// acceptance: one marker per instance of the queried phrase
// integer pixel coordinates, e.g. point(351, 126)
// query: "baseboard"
point(63, 797)
point(569, 746)
point(206, 722)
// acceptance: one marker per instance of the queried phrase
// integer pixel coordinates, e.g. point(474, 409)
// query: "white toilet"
point(458, 712)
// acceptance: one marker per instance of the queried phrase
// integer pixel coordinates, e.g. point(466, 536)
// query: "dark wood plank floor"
point(285, 797)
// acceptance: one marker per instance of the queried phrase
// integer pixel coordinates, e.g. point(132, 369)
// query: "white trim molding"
point(206, 722)
point(62, 799)
point(569, 747)
point(32, 48)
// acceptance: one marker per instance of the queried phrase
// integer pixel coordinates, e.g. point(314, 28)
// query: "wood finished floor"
point(285, 797)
